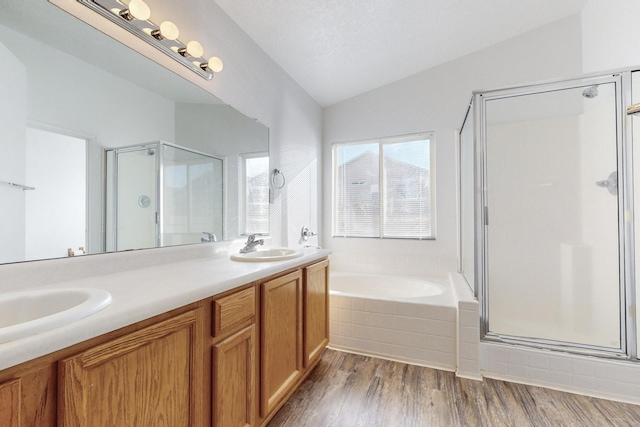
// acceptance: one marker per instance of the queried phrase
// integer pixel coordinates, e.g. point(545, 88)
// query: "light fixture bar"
point(113, 10)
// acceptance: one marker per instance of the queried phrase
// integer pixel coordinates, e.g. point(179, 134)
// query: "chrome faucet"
point(208, 237)
point(251, 244)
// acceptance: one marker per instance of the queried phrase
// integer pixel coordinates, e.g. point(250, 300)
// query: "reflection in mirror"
point(162, 195)
point(69, 92)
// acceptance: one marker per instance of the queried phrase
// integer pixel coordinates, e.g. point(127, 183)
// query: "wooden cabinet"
point(294, 329)
point(28, 396)
point(230, 360)
point(316, 310)
point(10, 403)
point(280, 339)
point(234, 362)
point(149, 377)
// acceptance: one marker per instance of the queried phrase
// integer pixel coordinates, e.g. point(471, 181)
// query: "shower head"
point(151, 152)
point(590, 92)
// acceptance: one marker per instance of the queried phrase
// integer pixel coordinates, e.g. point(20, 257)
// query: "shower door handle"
point(611, 183)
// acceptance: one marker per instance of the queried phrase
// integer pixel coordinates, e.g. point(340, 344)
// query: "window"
point(383, 188)
point(255, 199)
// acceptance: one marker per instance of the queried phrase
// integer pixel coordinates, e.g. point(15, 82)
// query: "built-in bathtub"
point(409, 319)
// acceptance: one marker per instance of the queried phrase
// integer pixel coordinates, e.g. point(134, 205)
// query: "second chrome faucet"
point(251, 244)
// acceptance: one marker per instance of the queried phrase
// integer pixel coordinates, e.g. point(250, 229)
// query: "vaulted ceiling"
point(336, 49)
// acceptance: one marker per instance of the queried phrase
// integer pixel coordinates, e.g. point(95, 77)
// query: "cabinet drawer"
point(231, 311)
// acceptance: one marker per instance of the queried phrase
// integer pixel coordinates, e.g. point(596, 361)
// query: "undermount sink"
point(31, 312)
point(273, 254)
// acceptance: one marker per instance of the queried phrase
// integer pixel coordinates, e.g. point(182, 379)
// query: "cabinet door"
point(30, 398)
point(316, 305)
point(146, 378)
point(280, 339)
point(234, 380)
point(10, 405)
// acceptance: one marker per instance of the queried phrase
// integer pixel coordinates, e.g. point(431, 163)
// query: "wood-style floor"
point(348, 390)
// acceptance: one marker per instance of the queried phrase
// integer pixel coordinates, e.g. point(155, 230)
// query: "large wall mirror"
point(91, 130)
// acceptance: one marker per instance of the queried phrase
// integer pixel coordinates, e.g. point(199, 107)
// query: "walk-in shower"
point(547, 216)
point(161, 194)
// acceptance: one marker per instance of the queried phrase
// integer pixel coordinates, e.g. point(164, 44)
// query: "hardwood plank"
point(348, 390)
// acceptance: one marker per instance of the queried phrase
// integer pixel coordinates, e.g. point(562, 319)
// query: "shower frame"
point(159, 184)
point(477, 112)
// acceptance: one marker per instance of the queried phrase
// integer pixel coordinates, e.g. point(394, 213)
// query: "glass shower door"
point(192, 197)
point(552, 215)
point(135, 199)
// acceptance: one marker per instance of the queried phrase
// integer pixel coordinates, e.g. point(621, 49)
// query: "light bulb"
point(168, 30)
point(193, 49)
point(137, 9)
point(215, 64)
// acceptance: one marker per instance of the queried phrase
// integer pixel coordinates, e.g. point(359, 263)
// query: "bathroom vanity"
point(232, 358)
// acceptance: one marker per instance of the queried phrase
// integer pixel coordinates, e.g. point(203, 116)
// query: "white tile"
point(337, 340)
point(469, 335)
point(446, 359)
point(539, 374)
point(583, 382)
point(560, 364)
point(614, 372)
point(345, 302)
point(344, 315)
point(392, 307)
point(517, 357)
point(538, 361)
point(345, 329)
point(471, 306)
point(468, 351)
point(468, 318)
point(585, 368)
point(498, 367)
point(627, 389)
point(334, 301)
point(374, 306)
point(447, 345)
point(467, 365)
point(375, 319)
point(407, 339)
point(334, 313)
point(517, 371)
point(333, 326)
point(359, 304)
point(359, 317)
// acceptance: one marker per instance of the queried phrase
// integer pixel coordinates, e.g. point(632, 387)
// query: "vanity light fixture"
point(134, 16)
point(193, 49)
point(137, 10)
point(214, 64)
point(168, 30)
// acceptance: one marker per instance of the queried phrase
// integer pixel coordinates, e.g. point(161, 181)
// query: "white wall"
point(609, 34)
point(56, 213)
point(436, 100)
point(13, 86)
point(62, 98)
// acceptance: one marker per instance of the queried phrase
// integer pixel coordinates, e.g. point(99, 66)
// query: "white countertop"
point(139, 294)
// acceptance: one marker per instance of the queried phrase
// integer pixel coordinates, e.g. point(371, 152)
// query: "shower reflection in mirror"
point(161, 194)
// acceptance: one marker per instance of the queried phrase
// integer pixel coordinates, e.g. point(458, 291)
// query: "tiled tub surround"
point(420, 330)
